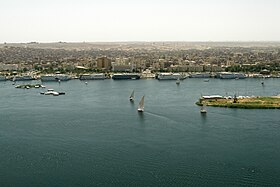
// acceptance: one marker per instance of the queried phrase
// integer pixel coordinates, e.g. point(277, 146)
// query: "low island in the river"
point(259, 102)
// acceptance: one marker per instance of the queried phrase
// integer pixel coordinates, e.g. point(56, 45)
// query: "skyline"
point(110, 21)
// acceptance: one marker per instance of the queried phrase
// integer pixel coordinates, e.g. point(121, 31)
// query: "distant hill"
point(164, 45)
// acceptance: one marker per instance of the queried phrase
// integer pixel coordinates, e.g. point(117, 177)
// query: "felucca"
point(141, 105)
point(131, 98)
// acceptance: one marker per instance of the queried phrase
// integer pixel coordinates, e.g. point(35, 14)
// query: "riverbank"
point(28, 76)
point(267, 102)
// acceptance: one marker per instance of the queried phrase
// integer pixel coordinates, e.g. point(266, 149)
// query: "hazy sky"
point(139, 20)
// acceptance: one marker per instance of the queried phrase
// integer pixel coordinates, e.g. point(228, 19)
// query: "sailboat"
point(203, 109)
point(14, 80)
point(141, 105)
point(131, 98)
point(263, 80)
point(178, 81)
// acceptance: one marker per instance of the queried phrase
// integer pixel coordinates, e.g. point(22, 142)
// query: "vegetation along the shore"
point(264, 102)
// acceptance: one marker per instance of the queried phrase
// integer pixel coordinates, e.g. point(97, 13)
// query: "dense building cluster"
point(140, 56)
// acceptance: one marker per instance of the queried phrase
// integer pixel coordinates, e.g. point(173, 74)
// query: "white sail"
point(141, 105)
point(131, 98)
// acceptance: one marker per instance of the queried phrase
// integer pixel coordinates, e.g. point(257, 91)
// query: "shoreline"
point(109, 75)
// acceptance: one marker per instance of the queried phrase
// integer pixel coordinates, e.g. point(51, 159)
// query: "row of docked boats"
point(221, 75)
point(17, 78)
point(48, 92)
point(64, 77)
point(55, 77)
point(126, 76)
point(28, 86)
point(182, 76)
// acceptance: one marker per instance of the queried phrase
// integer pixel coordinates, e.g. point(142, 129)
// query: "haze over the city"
point(139, 20)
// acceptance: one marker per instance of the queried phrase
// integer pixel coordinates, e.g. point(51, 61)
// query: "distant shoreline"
point(139, 44)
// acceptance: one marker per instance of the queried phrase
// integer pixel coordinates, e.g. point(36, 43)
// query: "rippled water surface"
point(93, 135)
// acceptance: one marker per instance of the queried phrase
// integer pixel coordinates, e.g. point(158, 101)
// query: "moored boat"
point(228, 75)
point(200, 75)
point(52, 92)
point(55, 77)
point(125, 76)
point(170, 76)
point(23, 78)
point(97, 76)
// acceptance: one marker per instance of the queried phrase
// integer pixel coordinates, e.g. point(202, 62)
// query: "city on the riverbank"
point(134, 60)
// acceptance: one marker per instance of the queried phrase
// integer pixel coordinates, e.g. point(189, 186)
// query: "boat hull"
point(232, 76)
point(92, 77)
point(23, 78)
point(55, 77)
point(170, 76)
point(200, 75)
point(126, 77)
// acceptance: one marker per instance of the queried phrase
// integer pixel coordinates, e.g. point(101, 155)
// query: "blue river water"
point(93, 135)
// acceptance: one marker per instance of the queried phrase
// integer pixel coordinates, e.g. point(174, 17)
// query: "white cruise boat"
point(170, 76)
point(200, 75)
point(147, 74)
point(23, 78)
point(97, 76)
point(228, 75)
point(55, 77)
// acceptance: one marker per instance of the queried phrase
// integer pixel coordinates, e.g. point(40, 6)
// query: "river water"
point(93, 135)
